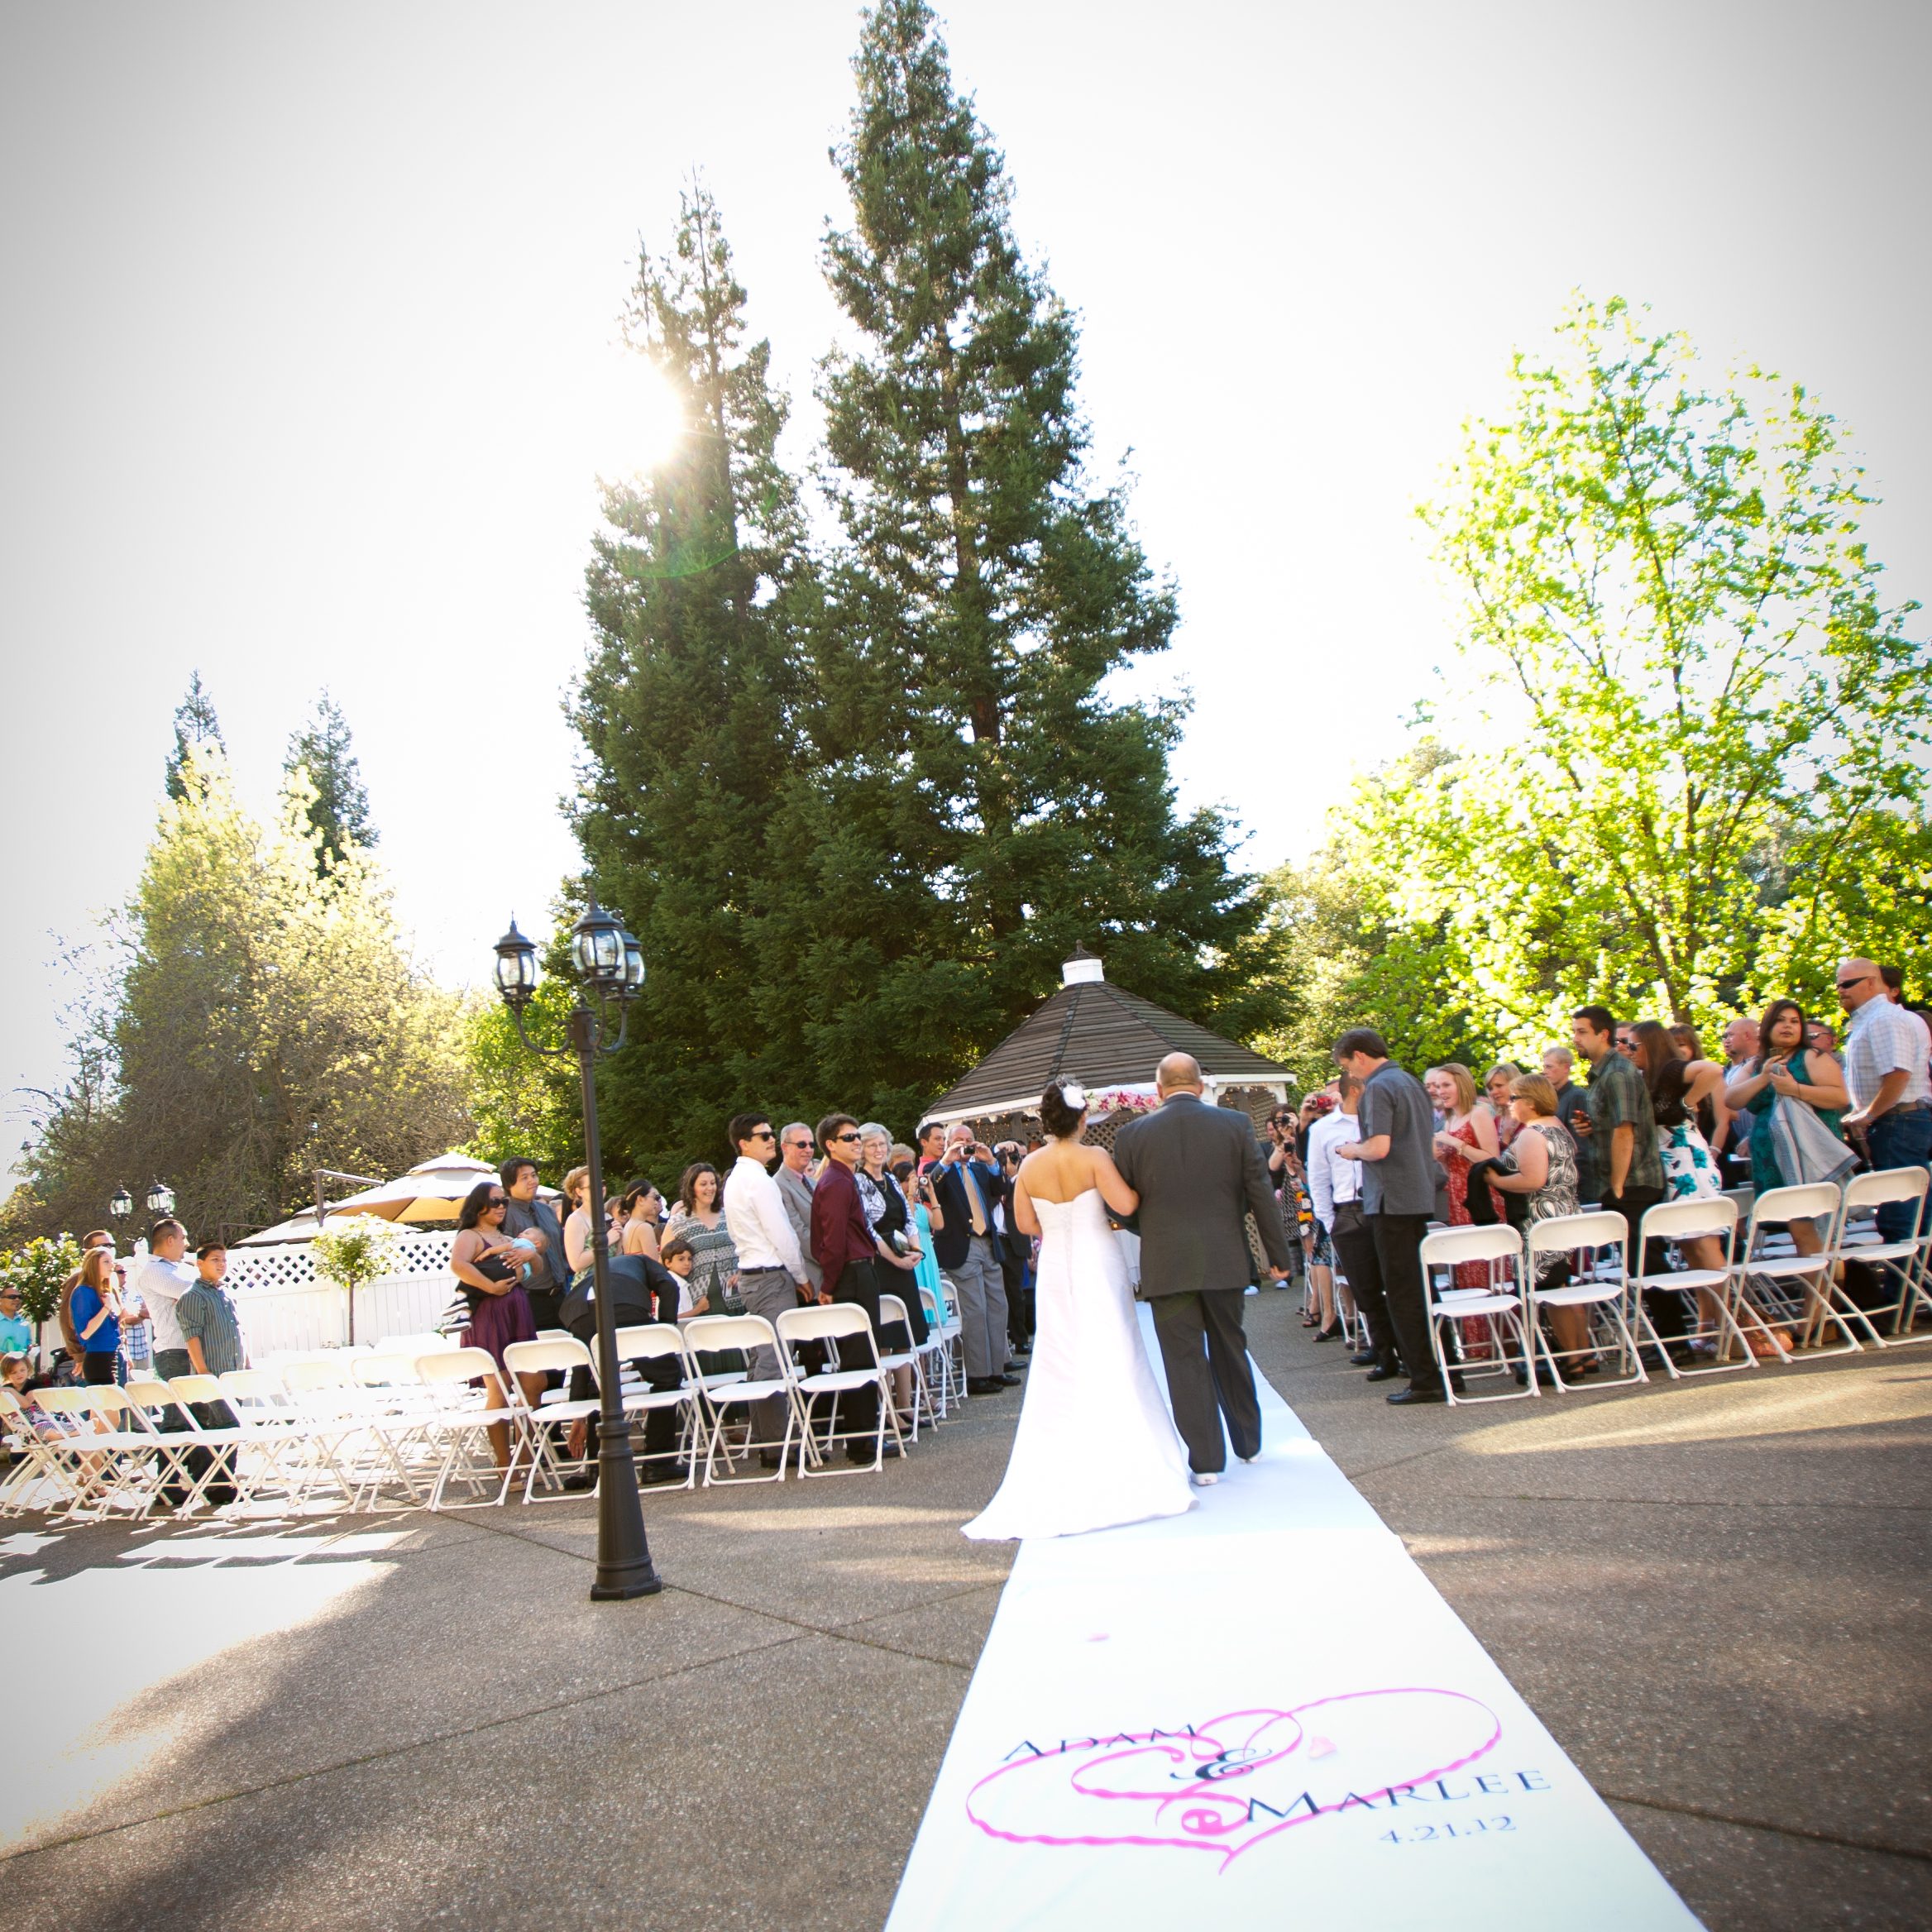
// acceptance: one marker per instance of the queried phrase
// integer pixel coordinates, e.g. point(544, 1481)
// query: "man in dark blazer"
point(967, 1184)
point(1197, 1170)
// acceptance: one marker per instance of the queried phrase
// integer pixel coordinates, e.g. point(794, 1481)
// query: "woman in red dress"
point(1468, 1133)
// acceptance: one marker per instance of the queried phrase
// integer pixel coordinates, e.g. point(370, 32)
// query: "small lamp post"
point(609, 966)
point(161, 1199)
point(122, 1205)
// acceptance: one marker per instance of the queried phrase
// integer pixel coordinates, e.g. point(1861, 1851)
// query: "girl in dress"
point(698, 1220)
point(1539, 1166)
point(1785, 1067)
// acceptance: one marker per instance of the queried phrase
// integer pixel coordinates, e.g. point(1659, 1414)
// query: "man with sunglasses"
point(843, 1245)
point(796, 1148)
point(1885, 1069)
point(771, 1267)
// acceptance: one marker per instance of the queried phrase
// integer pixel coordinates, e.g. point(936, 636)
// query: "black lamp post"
point(121, 1204)
point(161, 1199)
point(609, 966)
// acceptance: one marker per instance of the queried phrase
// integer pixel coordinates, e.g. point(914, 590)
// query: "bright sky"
point(309, 312)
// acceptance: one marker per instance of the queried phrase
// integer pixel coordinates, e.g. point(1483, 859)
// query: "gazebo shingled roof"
point(1100, 1036)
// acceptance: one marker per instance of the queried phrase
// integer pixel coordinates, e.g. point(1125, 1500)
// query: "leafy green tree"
point(684, 706)
point(269, 1018)
point(198, 736)
point(981, 806)
point(338, 811)
point(1691, 734)
point(521, 1102)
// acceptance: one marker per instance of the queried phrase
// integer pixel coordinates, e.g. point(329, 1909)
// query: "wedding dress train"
point(1095, 1446)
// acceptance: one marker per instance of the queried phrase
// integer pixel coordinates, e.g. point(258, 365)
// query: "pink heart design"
point(1226, 1785)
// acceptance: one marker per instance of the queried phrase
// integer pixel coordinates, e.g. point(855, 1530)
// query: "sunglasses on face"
point(763, 1134)
point(1846, 985)
point(842, 1137)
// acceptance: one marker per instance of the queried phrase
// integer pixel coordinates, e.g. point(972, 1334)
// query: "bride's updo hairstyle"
point(1061, 1106)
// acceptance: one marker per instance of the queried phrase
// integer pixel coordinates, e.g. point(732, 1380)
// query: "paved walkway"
point(1714, 1596)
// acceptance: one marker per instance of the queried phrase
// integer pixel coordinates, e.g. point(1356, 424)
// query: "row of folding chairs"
point(423, 1420)
point(1764, 1299)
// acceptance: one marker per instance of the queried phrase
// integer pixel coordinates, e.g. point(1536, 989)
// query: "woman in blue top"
point(96, 1306)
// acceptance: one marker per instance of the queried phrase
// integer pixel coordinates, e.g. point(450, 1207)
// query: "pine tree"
point(684, 707)
point(198, 732)
point(992, 588)
point(339, 811)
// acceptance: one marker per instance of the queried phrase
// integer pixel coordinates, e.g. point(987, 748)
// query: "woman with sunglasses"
point(488, 1265)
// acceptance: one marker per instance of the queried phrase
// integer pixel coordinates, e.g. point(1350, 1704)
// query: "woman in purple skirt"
point(488, 1265)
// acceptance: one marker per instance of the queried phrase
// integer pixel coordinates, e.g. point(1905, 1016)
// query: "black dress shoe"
point(1402, 1398)
point(1382, 1372)
point(771, 1459)
point(654, 1478)
point(1327, 1334)
point(585, 1479)
point(1364, 1358)
point(985, 1385)
point(1008, 1381)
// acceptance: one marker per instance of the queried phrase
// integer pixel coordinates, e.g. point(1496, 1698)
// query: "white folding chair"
point(1684, 1221)
point(828, 1325)
point(370, 1427)
point(1500, 1250)
point(37, 1472)
point(459, 1422)
point(547, 1355)
point(954, 1328)
point(1766, 1275)
point(892, 1308)
point(936, 1356)
point(1904, 1261)
point(645, 1342)
point(720, 1393)
point(1597, 1246)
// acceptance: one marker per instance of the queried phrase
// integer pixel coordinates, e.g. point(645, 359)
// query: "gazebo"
point(1110, 1041)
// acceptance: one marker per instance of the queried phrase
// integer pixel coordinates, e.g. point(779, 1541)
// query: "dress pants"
point(1013, 1260)
point(858, 1283)
point(1901, 1136)
point(1205, 1352)
point(1665, 1306)
point(1398, 1241)
point(982, 1307)
point(769, 1292)
point(1354, 1248)
point(661, 1425)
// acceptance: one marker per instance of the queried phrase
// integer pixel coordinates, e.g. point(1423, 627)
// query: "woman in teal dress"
point(1787, 1069)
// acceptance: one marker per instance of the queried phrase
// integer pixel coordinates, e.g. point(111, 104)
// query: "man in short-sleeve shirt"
point(1397, 1150)
point(1891, 1097)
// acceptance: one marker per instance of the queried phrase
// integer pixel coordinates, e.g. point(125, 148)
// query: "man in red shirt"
point(843, 1245)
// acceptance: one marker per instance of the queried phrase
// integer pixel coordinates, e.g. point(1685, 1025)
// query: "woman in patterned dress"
point(1540, 1164)
point(1690, 1169)
point(699, 1218)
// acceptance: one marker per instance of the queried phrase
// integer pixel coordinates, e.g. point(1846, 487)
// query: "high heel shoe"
point(1329, 1333)
point(1309, 1320)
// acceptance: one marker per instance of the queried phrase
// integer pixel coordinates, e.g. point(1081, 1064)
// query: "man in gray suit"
point(1198, 1169)
point(794, 1179)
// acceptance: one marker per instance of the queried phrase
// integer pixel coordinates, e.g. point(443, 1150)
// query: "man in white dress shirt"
point(771, 1274)
point(161, 1282)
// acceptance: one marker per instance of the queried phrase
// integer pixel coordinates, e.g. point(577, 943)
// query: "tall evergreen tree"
point(338, 811)
point(991, 587)
point(684, 705)
point(198, 732)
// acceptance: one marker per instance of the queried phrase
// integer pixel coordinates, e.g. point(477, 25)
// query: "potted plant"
point(37, 1270)
point(355, 1256)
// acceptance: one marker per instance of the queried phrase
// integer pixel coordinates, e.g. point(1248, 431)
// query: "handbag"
point(1806, 1149)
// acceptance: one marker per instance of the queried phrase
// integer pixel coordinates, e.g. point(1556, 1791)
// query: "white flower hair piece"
point(1073, 1094)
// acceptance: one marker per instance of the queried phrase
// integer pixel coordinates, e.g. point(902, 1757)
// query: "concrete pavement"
point(1713, 1595)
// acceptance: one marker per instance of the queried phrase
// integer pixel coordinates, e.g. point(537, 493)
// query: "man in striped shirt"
point(1886, 1071)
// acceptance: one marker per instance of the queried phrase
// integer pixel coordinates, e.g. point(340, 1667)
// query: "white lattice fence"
point(284, 1306)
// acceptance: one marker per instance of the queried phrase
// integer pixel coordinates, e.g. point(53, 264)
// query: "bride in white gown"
point(1095, 1446)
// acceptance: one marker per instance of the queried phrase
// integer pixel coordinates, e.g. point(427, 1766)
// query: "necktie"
point(978, 1215)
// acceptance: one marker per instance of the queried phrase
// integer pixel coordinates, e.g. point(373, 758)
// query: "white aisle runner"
point(1260, 1714)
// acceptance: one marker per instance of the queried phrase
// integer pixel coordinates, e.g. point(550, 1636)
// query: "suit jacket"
point(794, 1191)
point(1197, 1170)
point(950, 1244)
